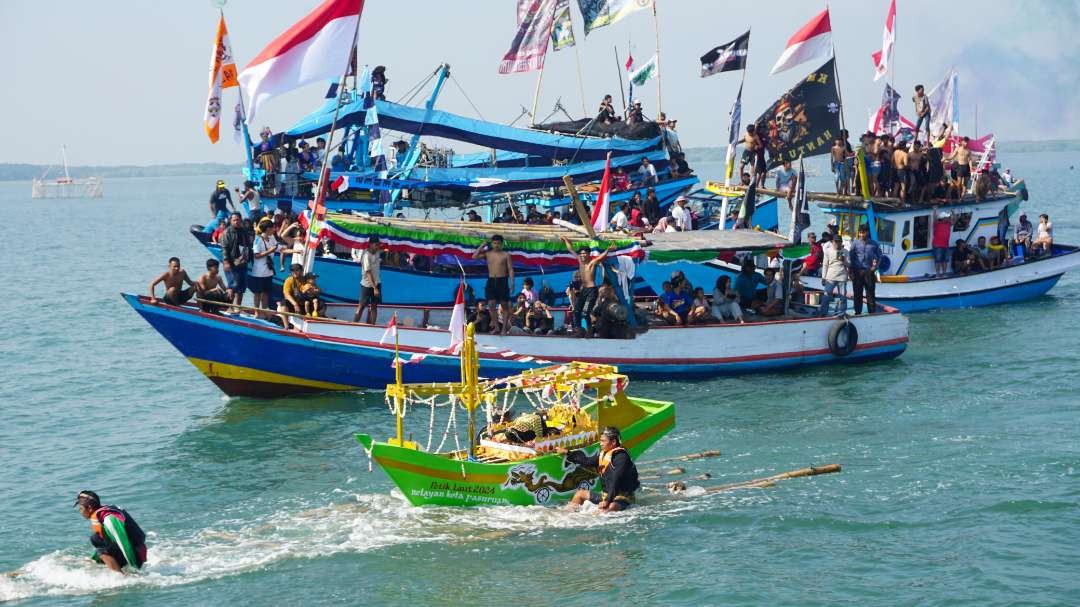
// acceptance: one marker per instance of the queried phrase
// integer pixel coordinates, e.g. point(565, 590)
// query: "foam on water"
point(368, 522)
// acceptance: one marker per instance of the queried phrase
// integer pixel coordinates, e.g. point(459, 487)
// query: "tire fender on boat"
point(843, 337)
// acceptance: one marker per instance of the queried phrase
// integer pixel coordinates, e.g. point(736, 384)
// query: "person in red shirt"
point(812, 262)
point(943, 225)
point(620, 181)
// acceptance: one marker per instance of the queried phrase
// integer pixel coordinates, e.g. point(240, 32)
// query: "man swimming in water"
point(117, 539)
point(618, 474)
point(500, 282)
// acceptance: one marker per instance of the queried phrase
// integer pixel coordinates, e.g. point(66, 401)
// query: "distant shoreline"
point(27, 172)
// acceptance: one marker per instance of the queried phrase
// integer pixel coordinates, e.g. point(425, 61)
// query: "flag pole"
point(397, 381)
point(618, 70)
point(309, 254)
point(836, 69)
point(243, 116)
point(543, 59)
point(580, 78)
point(656, 27)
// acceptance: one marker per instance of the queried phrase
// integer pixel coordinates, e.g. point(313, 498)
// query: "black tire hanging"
point(843, 337)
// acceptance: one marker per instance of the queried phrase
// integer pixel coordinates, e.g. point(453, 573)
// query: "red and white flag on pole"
point(391, 329)
point(340, 184)
point(888, 38)
point(315, 49)
point(602, 211)
point(457, 319)
point(812, 40)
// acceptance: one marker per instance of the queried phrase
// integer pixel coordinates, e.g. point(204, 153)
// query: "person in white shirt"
point(786, 180)
point(370, 281)
point(683, 220)
point(647, 173)
point(1044, 235)
point(1007, 177)
point(621, 220)
point(262, 267)
point(833, 272)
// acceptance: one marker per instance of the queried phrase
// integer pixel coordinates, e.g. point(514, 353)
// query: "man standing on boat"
point(370, 281)
point(500, 282)
point(235, 253)
point(618, 474)
point(586, 297)
point(865, 256)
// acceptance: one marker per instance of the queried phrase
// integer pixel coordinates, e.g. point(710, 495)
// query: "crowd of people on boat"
point(915, 170)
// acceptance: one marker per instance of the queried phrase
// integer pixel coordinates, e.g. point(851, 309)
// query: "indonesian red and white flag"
point(315, 49)
point(340, 184)
point(391, 329)
point(457, 319)
point(812, 40)
point(222, 76)
point(601, 214)
point(888, 38)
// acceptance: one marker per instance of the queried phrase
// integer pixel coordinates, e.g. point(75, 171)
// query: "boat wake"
point(366, 523)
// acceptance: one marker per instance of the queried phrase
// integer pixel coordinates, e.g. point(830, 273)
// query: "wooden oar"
point(768, 481)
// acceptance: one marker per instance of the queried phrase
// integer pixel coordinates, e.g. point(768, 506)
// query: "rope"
point(466, 95)
point(415, 90)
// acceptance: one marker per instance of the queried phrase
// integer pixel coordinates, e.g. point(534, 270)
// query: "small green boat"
point(577, 401)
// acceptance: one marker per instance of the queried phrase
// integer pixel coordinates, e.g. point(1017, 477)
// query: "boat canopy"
point(703, 245)
point(537, 245)
point(436, 123)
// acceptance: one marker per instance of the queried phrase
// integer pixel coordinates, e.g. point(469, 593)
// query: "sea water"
point(961, 480)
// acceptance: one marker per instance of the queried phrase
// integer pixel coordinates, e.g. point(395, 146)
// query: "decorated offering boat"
point(249, 356)
point(573, 402)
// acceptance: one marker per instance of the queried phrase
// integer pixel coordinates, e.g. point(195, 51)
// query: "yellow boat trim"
point(213, 369)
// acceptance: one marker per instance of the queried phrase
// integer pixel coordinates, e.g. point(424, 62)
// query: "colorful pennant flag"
point(222, 76)
point(642, 75)
point(726, 57)
point(536, 18)
point(811, 41)
point(598, 13)
point(562, 32)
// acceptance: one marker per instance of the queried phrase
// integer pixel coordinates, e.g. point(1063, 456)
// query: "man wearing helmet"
point(618, 474)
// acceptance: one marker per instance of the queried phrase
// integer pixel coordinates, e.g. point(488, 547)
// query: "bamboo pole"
point(772, 480)
point(586, 221)
point(656, 27)
point(681, 458)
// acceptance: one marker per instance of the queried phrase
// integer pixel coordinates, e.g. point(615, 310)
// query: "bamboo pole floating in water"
point(681, 458)
point(769, 481)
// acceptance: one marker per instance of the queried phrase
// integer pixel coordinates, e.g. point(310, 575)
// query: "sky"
point(126, 82)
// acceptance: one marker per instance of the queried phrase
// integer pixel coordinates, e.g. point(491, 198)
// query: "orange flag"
point(222, 76)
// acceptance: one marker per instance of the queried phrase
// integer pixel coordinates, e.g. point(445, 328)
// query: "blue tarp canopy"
point(547, 146)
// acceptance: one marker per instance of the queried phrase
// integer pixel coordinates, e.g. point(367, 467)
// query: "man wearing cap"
point(683, 220)
point(117, 539)
point(370, 281)
point(635, 115)
point(940, 240)
point(220, 200)
point(618, 474)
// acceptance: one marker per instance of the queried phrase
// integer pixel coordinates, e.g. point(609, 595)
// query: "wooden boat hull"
point(245, 357)
point(438, 480)
point(1011, 283)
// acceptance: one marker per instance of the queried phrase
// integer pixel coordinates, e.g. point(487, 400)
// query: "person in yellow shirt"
point(310, 293)
point(291, 289)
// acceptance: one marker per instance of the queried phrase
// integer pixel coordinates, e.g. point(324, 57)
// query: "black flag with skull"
point(805, 120)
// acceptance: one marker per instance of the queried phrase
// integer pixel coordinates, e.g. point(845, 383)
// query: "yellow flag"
point(222, 76)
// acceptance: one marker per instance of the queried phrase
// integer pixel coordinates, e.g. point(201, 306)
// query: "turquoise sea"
point(961, 481)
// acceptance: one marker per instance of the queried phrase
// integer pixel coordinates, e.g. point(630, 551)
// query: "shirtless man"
point(838, 155)
point(900, 164)
point(916, 179)
point(587, 296)
point(500, 282)
point(750, 142)
point(174, 279)
point(211, 287)
point(961, 161)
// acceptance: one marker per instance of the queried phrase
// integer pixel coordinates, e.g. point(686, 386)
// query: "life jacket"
point(631, 478)
point(134, 532)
